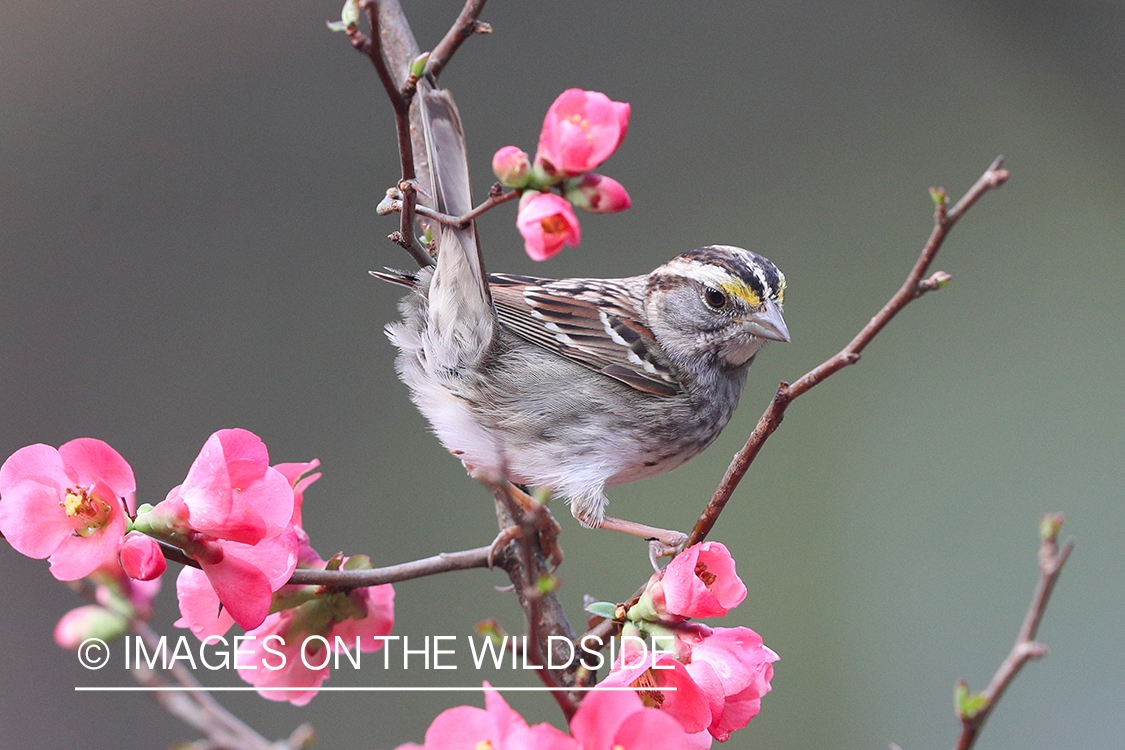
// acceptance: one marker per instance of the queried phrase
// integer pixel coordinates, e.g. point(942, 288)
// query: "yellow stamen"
point(74, 502)
point(89, 510)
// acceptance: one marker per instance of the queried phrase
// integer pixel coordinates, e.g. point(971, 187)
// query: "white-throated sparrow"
point(575, 384)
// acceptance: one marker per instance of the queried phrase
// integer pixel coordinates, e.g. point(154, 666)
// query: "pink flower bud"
point(512, 167)
point(581, 130)
point(547, 222)
point(597, 194)
point(141, 557)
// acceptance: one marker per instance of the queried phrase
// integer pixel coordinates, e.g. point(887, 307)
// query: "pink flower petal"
point(611, 719)
point(232, 492)
point(79, 556)
point(31, 518)
point(243, 589)
point(200, 609)
point(39, 462)
point(460, 728)
point(299, 478)
point(94, 460)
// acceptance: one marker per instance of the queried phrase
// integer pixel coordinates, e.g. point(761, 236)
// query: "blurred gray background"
point(187, 200)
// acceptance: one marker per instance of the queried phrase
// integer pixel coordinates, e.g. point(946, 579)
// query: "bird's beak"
point(767, 324)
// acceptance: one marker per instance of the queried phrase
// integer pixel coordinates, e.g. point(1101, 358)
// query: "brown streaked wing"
point(588, 321)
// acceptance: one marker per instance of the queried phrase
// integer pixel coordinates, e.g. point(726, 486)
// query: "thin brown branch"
point(441, 563)
point(396, 205)
point(975, 709)
point(400, 103)
point(914, 287)
point(464, 27)
point(527, 567)
point(391, 49)
point(444, 562)
point(199, 710)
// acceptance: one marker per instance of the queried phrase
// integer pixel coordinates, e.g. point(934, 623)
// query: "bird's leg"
point(662, 542)
point(542, 521)
point(535, 514)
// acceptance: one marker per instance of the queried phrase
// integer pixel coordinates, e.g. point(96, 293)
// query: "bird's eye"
point(715, 299)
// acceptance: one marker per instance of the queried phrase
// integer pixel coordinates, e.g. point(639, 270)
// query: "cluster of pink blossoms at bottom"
point(708, 684)
point(719, 674)
point(239, 519)
point(606, 720)
point(236, 516)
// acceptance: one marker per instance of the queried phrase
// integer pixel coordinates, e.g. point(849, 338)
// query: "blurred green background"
point(187, 200)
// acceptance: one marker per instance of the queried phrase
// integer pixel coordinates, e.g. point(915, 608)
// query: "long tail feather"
point(452, 191)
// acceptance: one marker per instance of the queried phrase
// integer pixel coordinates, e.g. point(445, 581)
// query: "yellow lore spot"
point(742, 290)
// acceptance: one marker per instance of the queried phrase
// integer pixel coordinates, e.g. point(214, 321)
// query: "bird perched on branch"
point(575, 384)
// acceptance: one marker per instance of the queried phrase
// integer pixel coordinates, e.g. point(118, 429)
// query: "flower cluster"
point(236, 516)
point(581, 130)
point(233, 515)
point(709, 684)
point(606, 719)
point(719, 675)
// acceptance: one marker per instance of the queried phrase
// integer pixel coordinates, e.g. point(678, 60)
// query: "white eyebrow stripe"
point(705, 273)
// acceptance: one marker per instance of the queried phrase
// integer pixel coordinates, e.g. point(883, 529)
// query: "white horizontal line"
point(368, 689)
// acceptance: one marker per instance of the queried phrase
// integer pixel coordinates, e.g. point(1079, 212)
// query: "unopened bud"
point(512, 167)
point(597, 194)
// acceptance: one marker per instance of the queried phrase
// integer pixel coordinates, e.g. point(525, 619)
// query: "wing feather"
point(589, 321)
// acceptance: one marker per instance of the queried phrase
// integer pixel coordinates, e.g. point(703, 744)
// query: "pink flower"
point(700, 582)
point(233, 515)
point(242, 577)
point(68, 504)
point(733, 667)
point(496, 727)
point(612, 719)
point(685, 701)
point(299, 478)
point(581, 130)
point(547, 222)
point(141, 557)
point(232, 493)
point(597, 194)
point(512, 167)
